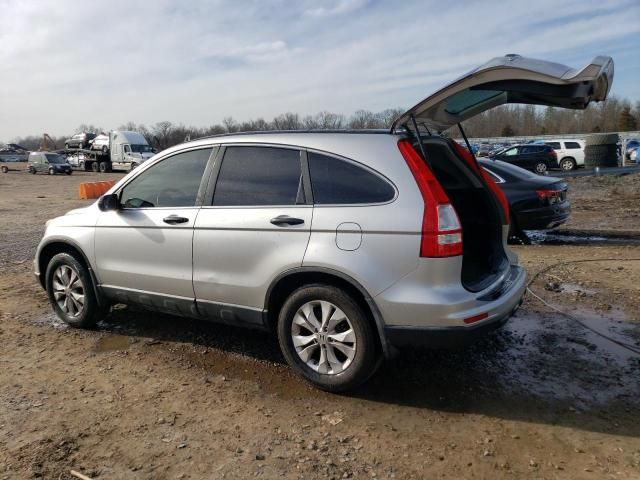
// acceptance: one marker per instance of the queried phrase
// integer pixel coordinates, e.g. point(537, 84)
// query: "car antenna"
point(419, 140)
point(466, 140)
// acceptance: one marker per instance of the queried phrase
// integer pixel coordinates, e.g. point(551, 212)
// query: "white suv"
point(349, 245)
point(570, 153)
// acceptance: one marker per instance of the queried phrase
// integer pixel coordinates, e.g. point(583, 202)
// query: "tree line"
point(510, 120)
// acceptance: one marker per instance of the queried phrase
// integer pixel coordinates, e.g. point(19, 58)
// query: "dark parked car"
point(80, 140)
point(629, 147)
point(48, 162)
point(537, 158)
point(535, 202)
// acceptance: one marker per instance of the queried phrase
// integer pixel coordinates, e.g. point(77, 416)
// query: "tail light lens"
point(549, 196)
point(497, 191)
point(553, 154)
point(441, 229)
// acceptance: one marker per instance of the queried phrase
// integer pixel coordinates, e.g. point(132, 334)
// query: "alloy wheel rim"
point(541, 168)
point(68, 290)
point(323, 337)
point(567, 165)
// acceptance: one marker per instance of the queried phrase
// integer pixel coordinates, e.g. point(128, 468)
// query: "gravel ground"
point(149, 396)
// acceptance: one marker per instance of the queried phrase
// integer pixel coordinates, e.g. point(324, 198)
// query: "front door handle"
point(286, 220)
point(175, 219)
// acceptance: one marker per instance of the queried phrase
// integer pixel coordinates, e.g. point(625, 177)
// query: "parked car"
point(534, 157)
point(629, 147)
point(48, 162)
point(570, 153)
point(536, 202)
point(484, 149)
point(100, 142)
point(79, 140)
point(635, 155)
point(348, 245)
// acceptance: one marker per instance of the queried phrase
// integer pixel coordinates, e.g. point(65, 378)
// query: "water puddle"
point(559, 237)
point(113, 342)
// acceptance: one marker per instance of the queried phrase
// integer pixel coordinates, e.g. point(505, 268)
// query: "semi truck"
point(119, 150)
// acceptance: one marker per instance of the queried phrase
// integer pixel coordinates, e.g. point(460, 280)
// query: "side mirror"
point(109, 202)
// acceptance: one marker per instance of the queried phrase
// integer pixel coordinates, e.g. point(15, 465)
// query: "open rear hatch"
point(476, 199)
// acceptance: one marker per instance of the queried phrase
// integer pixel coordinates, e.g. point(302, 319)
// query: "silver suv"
point(349, 245)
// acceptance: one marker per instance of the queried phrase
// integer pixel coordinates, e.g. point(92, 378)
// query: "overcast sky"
point(195, 62)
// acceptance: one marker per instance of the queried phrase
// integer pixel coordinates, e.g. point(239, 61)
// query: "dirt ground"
point(149, 396)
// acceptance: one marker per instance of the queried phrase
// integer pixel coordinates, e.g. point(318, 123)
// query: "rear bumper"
point(445, 337)
point(543, 217)
point(435, 316)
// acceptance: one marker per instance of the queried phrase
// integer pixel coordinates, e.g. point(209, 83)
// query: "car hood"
point(512, 79)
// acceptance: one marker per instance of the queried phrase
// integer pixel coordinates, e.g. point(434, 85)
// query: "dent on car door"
point(144, 249)
point(255, 225)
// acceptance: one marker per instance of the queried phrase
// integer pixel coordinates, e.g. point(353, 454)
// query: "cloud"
point(72, 62)
point(338, 7)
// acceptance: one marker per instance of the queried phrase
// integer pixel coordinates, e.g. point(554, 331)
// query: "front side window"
point(336, 181)
point(254, 176)
point(510, 152)
point(173, 182)
point(55, 158)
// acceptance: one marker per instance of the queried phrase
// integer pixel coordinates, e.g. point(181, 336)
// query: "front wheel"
point(70, 291)
point(567, 164)
point(105, 149)
point(326, 337)
point(52, 171)
point(540, 168)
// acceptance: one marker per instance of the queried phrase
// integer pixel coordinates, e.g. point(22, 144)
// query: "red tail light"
point(441, 230)
point(549, 196)
point(553, 154)
point(497, 191)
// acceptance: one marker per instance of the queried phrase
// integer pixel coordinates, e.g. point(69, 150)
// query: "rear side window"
point(336, 182)
point(173, 182)
point(554, 145)
point(572, 145)
point(259, 176)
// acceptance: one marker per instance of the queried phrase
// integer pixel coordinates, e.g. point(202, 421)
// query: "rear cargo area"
point(484, 258)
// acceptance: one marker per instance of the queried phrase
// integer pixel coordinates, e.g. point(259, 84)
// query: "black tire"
point(69, 172)
point(5, 169)
point(95, 167)
point(91, 311)
point(66, 146)
point(540, 168)
point(32, 170)
point(134, 166)
point(52, 171)
point(567, 164)
point(602, 139)
point(105, 149)
point(364, 362)
point(105, 167)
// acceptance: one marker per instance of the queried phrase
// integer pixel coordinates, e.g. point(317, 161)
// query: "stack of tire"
point(601, 150)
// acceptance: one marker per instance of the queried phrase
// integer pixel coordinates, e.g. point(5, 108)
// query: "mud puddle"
point(581, 238)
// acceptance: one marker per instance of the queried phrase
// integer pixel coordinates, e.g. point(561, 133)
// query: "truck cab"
point(128, 149)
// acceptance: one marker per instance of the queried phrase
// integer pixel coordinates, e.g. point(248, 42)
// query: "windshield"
point(141, 148)
point(55, 158)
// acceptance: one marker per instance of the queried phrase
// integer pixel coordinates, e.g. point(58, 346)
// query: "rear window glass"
point(259, 176)
point(554, 145)
point(508, 171)
point(336, 181)
point(572, 145)
point(466, 99)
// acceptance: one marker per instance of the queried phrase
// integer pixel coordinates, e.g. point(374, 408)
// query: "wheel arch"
point(285, 283)
point(64, 245)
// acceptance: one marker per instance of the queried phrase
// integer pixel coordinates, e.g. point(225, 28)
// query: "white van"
point(570, 153)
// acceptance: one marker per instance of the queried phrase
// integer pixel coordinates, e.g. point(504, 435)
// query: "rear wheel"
point(69, 172)
point(71, 293)
point(540, 168)
point(325, 336)
point(105, 149)
point(5, 169)
point(66, 146)
point(567, 164)
point(105, 167)
point(32, 170)
point(94, 167)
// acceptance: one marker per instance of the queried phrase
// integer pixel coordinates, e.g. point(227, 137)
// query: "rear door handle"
point(175, 219)
point(286, 220)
